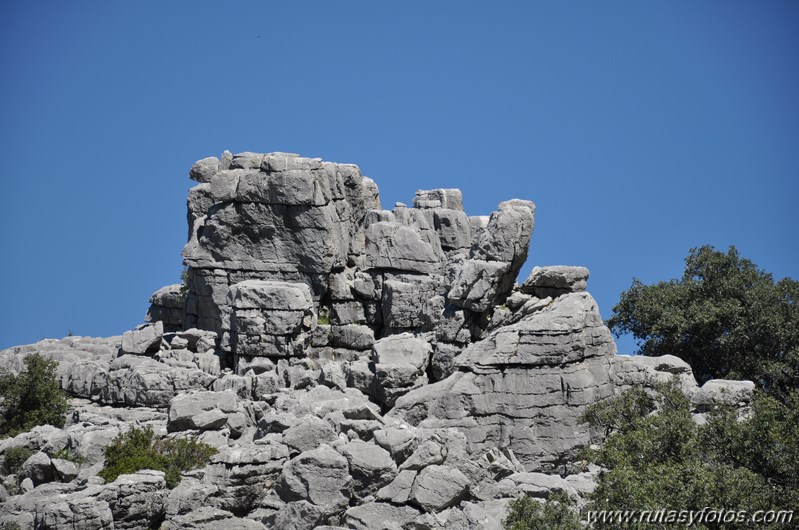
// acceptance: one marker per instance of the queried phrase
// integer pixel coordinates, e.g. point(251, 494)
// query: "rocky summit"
point(354, 367)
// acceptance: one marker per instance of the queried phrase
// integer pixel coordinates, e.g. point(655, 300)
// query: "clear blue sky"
point(640, 129)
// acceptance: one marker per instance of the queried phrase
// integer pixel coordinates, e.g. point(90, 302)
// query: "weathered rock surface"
point(145, 339)
point(353, 367)
point(166, 306)
point(555, 281)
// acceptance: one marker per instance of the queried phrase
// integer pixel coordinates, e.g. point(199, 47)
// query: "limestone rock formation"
point(354, 367)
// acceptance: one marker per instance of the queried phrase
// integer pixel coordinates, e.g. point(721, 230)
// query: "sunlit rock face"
point(350, 365)
point(283, 218)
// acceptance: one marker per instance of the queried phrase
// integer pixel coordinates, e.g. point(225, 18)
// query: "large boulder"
point(497, 254)
point(320, 476)
point(275, 216)
point(525, 385)
point(166, 306)
point(201, 410)
point(269, 318)
point(144, 340)
point(400, 362)
point(371, 467)
point(439, 487)
point(555, 280)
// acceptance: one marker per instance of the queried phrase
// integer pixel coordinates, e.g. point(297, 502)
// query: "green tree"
point(526, 513)
point(725, 317)
point(32, 397)
point(139, 449)
point(659, 458)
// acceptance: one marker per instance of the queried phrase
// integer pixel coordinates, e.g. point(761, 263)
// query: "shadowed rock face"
point(352, 366)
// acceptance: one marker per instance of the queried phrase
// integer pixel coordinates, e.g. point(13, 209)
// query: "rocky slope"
point(355, 367)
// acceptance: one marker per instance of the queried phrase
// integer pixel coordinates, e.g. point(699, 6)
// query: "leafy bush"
point(667, 461)
point(33, 397)
point(526, 513)
point(14, 458)
point(138, 449)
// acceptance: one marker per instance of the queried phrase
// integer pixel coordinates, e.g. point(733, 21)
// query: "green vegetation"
point(665, 460)
point(14, 457)
point(184, 280)
point(323, 319)
point(139, 449)
point(526, 513)
point(725, 317)
point(70, 455)
point(33, 397)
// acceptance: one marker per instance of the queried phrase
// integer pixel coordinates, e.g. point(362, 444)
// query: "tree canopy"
point(668, 461)
point(32, 397)
point(725, 317)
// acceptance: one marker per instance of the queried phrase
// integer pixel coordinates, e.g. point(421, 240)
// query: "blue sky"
point(640, 129)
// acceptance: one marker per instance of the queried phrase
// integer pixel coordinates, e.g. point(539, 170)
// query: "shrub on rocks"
point(139, 449)
point(526, 513)
point(14, 458)
point(32, 397)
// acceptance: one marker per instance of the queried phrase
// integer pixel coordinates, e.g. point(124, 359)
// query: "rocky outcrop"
point(353, 367)
point(166, 306)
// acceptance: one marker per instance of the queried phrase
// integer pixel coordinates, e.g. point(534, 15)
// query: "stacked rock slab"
point(525, 385)
point(371, 273)
point(268, 318)
point(269, 217)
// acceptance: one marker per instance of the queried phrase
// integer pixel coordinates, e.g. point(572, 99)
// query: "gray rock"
point(187, 496)
point(450, 199)
point(398, 247)
point(205, 169)
point(269, 318)
point(141, 381)
point(380, 516)
point(400, 362)
point(724, 392)
point(399, 490)
point(542, 486)
point(399, 442)
point(439, 487)
point(361, 375)
point(371, 467)
point(64, 470)
point(525, 385)
point(496, 256)
point(38, 468)
point(442, 362)
point(353, 336)
point(299, 515)
point(136, 500)
point(209, 518)
point(429, 452)
point(555, 280)
point(144, 340)
point(200, 410)
point(166, 306)
point(308, 434)
point(243, 473)
point(333, 375)
point(320, 476)
point(26, 485)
